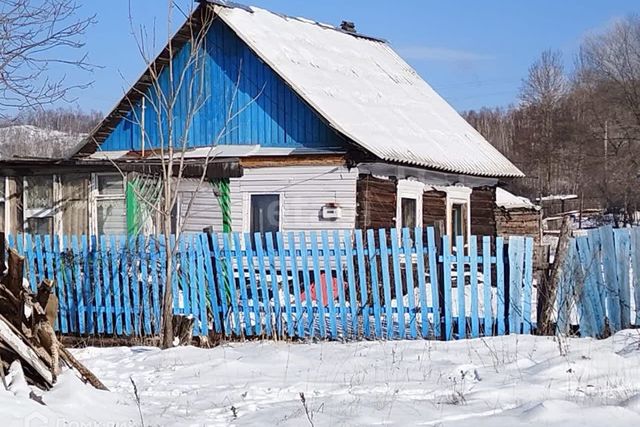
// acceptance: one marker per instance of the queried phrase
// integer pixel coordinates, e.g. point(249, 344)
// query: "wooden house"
point(302, 126)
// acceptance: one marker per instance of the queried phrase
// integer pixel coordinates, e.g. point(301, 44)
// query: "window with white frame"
point(458, 212)
point(38, 204)
point(110, 204)
point(264, 213)
point(409, 204)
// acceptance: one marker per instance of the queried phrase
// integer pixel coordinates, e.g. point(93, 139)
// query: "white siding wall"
point(303, 190)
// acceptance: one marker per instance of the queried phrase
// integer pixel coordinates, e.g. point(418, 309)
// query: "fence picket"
point(365, 307)
point(351, 281)
point(328, 276)
point(408, 269)
point(145, 283)
point(421, 273)
point(461, 287)
point(516, 264)
point(192, 283)
point(386, 282)
point(623, 251)
point(264, 286)
point(375, 283)
point(125, 282)
point(635, 265)
point(318, 288)
point(117, 293)
point(527, 325)
point(610, 276)
point(500, 286)
point(106, 285)
point(98, 285)
point(233, 303)
point(486, 285)
point(473, 282)
point(285, 283)
point(221, 281)
point(291, 242)
point(201, 285)
point(397, 279)
point(78, 284)
point(447, 306)
point(433, 278)
point(155, 291)
point(242, 284)
point(306, 279)
point(209, 271)
point(30, 264)
point(39, 259)
point(255, 297)
point(337, 250)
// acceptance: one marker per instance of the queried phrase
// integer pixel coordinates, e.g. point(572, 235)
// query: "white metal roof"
point(368, 93)
point(507, 200)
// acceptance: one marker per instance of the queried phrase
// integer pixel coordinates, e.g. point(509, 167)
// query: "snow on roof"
point(507, 200)
point(31, 142)
point(367, 92)
point(558, 197)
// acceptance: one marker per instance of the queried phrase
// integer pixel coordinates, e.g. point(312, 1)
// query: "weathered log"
point(87, 375)
point(183, 329)
point(547, 296)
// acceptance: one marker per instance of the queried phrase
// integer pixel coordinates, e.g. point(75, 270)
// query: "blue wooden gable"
point(235, 82)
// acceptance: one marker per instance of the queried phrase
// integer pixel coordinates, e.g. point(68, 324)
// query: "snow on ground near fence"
point(497, 381)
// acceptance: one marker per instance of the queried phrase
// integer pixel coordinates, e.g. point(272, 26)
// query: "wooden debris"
point(26, 328)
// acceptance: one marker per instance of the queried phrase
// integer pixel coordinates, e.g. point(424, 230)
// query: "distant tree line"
point(63, 119)
point(577, 131)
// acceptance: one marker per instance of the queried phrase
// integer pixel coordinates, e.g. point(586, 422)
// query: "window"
point(111, 211)
point(458, 219)
point(265, 213)
point(458, 214)
point(409, 212)
point(38, 204)
point(409, 205)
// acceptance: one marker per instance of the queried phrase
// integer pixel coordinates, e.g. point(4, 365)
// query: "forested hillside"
point(577, 130)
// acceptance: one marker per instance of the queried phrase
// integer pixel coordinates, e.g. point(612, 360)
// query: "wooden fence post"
point(548, 289)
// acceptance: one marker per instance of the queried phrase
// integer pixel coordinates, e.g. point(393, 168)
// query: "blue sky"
point(474, 53)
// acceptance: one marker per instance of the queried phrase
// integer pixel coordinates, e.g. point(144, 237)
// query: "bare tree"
point(175, 94)
point(36, 34)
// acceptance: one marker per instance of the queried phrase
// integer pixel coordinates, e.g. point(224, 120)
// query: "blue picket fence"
point(348, 284)
point(599, 290)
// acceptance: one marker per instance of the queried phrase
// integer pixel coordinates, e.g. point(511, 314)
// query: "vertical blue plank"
point(117, 293)
point(408, 269)
point(97, 284)
point(282, 252)
point(87, 289)
point(595, 246)
point(255, 296)
point(52, 259)
point(316, 277)
point(11, 242)
point(528, 285)
point(447, 259)
point(209, 271)
point(220, 259)
point(421, 272)
point(328, 278)
point(623, 251)
point(337, 250)
point(397, 277)
point(183, 278)
point(365, 309)
point(473, 273)
point(516, 263)
point(500, 286)
point(386, 282)
point(39, 259)
point(125, 285)
point(155, 292)
point(307, 281)
point(107, 290)
point(433, 279)
point(228, 257)
point(202, 293)
point(144, 250)
point(291, 242)
point(30, 262)
point(565, 293)
point(78, 285)
point(67, 265)
point(611, 283)
point(264, 284)
point(460, 283)
point(375, 284)
point(588, 319)
point(277, 318)
point(486, 286)
point(176, 253)
point(193, 284)
point(135, 285)
point(351, 278)
point(635, 264)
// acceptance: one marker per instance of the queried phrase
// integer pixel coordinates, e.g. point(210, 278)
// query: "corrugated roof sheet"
point(368, 93)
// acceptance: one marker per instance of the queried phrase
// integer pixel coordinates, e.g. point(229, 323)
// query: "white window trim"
point(5, 200)
point(458, 195)
point(95, 196)
point(52, 212)
point(409, 189)
point(246, 208)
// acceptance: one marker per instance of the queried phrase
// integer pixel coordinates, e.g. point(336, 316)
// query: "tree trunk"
point(167, 306)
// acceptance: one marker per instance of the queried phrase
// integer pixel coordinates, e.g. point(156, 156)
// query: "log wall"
point(375, 202)
point(483, 202)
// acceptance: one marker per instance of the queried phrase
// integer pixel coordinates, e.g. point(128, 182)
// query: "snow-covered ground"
point(501, 381)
